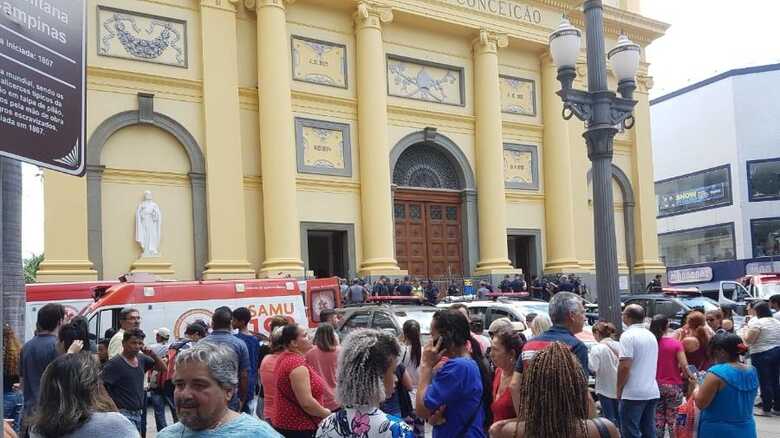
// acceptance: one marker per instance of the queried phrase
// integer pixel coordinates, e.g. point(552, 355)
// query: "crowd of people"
point(357, 291)
point(223, 380)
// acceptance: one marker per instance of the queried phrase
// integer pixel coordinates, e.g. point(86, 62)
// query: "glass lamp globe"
point(624, 58)
point(565, 44)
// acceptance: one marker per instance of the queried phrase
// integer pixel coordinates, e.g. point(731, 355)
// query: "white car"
point(490, 311)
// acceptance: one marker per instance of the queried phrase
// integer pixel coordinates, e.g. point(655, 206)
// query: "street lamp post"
point(603, 113)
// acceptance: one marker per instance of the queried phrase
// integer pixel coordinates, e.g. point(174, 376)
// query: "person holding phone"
point(453, 381)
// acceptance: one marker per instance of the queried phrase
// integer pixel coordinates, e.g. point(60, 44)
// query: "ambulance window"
point(106, 322)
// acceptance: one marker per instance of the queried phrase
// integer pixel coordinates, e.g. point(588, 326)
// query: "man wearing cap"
point(157, 399)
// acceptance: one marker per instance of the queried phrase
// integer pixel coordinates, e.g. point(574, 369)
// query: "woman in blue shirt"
point(454, 383)
point(727, 394)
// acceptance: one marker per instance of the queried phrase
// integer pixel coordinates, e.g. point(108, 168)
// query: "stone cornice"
point(514, 195)
point(252, 5)
point(310, 184)
point(187, 89)
point(638, 28)
point(128, 176)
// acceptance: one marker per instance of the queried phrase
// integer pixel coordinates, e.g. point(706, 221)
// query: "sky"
point(706, 37)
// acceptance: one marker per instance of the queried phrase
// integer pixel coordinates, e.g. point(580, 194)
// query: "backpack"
point(170, 361)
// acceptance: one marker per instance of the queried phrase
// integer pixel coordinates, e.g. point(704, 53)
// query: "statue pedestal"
point(154, 265)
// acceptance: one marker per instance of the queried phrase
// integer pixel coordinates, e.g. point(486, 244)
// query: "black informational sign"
point(42, 82)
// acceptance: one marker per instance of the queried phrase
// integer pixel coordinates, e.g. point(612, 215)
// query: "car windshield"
point(702, 302)
point(423, 317)
point(768, 289)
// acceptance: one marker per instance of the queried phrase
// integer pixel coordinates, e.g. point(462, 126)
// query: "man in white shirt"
point(774, 304)
point(637, 389)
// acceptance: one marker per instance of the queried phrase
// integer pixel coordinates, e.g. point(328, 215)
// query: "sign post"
point(42, 110)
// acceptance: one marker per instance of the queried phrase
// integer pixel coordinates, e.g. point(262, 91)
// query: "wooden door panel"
point(428, 233)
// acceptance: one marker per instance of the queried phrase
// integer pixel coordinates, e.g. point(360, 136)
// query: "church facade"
point(343, 137)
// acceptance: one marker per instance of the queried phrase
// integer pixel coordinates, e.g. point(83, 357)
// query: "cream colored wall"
point(165, 176)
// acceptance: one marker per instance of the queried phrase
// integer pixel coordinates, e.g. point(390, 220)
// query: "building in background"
point(716, 149)
point(343, 137)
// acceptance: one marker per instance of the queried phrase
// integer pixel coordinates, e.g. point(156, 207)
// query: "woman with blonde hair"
point(540, 324)
point(73, 402)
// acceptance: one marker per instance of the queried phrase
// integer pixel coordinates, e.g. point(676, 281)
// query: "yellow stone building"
point(343, 137)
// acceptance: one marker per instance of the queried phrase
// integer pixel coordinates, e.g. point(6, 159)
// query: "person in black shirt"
point(452, 290)
point(405, 289)
point(431, 293)
point(655, 285)
point(518, 284)
point(380, 288)
point(123, 376)
point(505, 284)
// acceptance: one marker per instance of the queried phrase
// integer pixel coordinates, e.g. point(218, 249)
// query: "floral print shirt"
point(363, 423)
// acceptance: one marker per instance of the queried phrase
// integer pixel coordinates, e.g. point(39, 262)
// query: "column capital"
point(253, 5)
point(645, 83)
point(489, 41)
point(372, 14)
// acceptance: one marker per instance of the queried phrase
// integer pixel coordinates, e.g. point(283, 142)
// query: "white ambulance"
point(74, 296)
point(175, 304)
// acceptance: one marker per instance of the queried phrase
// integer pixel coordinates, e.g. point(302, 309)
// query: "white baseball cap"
point(163, 332)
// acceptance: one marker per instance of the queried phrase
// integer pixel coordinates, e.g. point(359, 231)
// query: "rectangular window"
point(695, 191)
point(764, 179)
point(698, 245)
point(766, 236)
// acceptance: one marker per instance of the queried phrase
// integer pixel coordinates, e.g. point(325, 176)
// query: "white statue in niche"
point(148, 223)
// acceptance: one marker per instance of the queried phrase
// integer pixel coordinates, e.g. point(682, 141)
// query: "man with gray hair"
point(568, 317)
point(205, 380)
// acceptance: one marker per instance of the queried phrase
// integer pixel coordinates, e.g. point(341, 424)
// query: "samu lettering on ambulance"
point(271, 309)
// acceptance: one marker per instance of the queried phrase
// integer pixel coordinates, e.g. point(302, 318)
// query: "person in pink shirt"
point(323, 358)
point(267, 366)
point(672, 368)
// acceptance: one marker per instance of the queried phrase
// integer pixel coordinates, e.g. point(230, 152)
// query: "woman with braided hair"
point(554, 401)
point(365, 376)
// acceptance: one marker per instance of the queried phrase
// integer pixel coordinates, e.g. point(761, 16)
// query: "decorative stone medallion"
point(319, 62)
point(142, 37)
point(423, 80)
point(518, 96)
point(323, 147)
point(521, 167)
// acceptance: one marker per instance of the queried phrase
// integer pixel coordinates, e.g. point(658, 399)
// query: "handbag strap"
point(601, 426)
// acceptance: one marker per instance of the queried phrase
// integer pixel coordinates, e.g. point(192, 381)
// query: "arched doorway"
point(434, 204)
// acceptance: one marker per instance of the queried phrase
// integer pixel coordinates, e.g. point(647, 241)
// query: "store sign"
point(42, 82)
point(692, 198)
point(504, 8)
point(690, 275)
point(762, 268)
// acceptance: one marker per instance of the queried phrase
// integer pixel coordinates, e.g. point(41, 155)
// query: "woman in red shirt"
point(506, 347)
point(299, 388)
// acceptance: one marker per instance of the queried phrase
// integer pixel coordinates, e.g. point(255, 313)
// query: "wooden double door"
point(428, 239)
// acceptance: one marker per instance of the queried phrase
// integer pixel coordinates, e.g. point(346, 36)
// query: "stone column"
point(277, 145)
point(375, 192)
point(65, 230)
point(558, 200)
point(493, 258)
point(221, 115)
point(646, 263)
